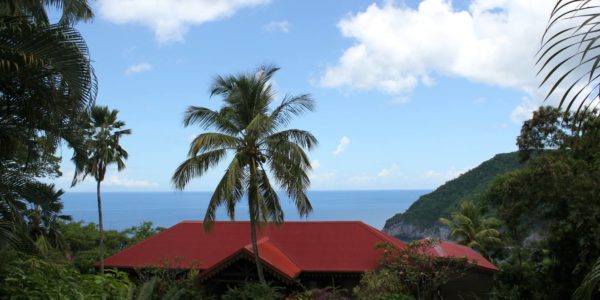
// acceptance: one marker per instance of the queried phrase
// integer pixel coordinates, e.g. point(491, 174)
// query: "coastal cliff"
point(421, 218)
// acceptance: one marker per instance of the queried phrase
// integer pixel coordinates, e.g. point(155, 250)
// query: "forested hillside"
point(421, 219)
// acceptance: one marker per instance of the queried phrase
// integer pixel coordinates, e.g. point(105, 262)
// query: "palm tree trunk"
point(252, 203)
point(101, 226)
point(261, 275)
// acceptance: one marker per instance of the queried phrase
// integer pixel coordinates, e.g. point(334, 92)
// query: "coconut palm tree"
point(569, 57)
point(470, 228)
point(255, 136)
point(104, 149)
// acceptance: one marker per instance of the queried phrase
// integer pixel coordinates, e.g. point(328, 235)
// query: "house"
point(310, 254)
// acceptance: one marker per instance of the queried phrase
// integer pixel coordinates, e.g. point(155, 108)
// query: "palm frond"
point(569, 56)
point(196, 166)
point(303, 138)
point(270, 198)
point(291, 107)
point(207, 118)
point(58, 48)
point(229, 191)
point(590, 284)
point(212, 141)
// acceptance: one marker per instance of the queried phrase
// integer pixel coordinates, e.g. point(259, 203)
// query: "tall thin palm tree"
point(104, 149)
point(469, 227)
point(254, 135)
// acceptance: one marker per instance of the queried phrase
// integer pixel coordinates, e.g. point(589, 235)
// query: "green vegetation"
point(259, 142)
point(410, 273)
point(72, 268)
point(550, 209)
point(590, 283)
point(328, 293)
point(471, 228)
point(28, 278)
point(253, 291)
point(428, 209)
point(46, 84)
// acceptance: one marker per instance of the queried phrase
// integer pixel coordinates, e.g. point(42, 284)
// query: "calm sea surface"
point(122, 210)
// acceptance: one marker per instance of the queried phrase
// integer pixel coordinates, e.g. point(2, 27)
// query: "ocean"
point(126, 209)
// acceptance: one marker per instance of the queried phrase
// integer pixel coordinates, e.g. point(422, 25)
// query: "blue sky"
point(409, 93)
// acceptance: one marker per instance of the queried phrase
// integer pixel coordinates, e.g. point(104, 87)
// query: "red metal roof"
point(290, 248)
point(448, 249)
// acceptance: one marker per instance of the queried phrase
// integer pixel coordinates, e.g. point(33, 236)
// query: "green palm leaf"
point(570, 53)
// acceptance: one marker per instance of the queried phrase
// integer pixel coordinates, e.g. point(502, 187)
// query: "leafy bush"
point(33, 278)
point(409, 272)
point(171, 278)
point(253, 291)
point(327, 293)
point(383, 284)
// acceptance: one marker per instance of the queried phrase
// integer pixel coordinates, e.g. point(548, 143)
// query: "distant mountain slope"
point(421, 219)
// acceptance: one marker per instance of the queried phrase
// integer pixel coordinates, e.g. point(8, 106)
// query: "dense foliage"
point(253, 291)
point(46, 85)
point(71, 267)
point(410, 273)
point(550, 210)
point(470, 227)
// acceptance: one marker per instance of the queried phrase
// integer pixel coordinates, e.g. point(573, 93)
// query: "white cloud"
point(443, 176)
point(360, 180)
point(325, 179)
point(342, 145)
point(170, 19)
point(397, 47)
point(524, 111)
point(278, 26)
point(315, 164)
point(118, 181)
point(386, 172)
point(138, 68)
point(432, 174)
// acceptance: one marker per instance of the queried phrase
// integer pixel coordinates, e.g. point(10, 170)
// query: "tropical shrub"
point(253, 291)
point(410, 272)
point(550, 210)
point(328, 293)
point(384, 284)
point(33, 278)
